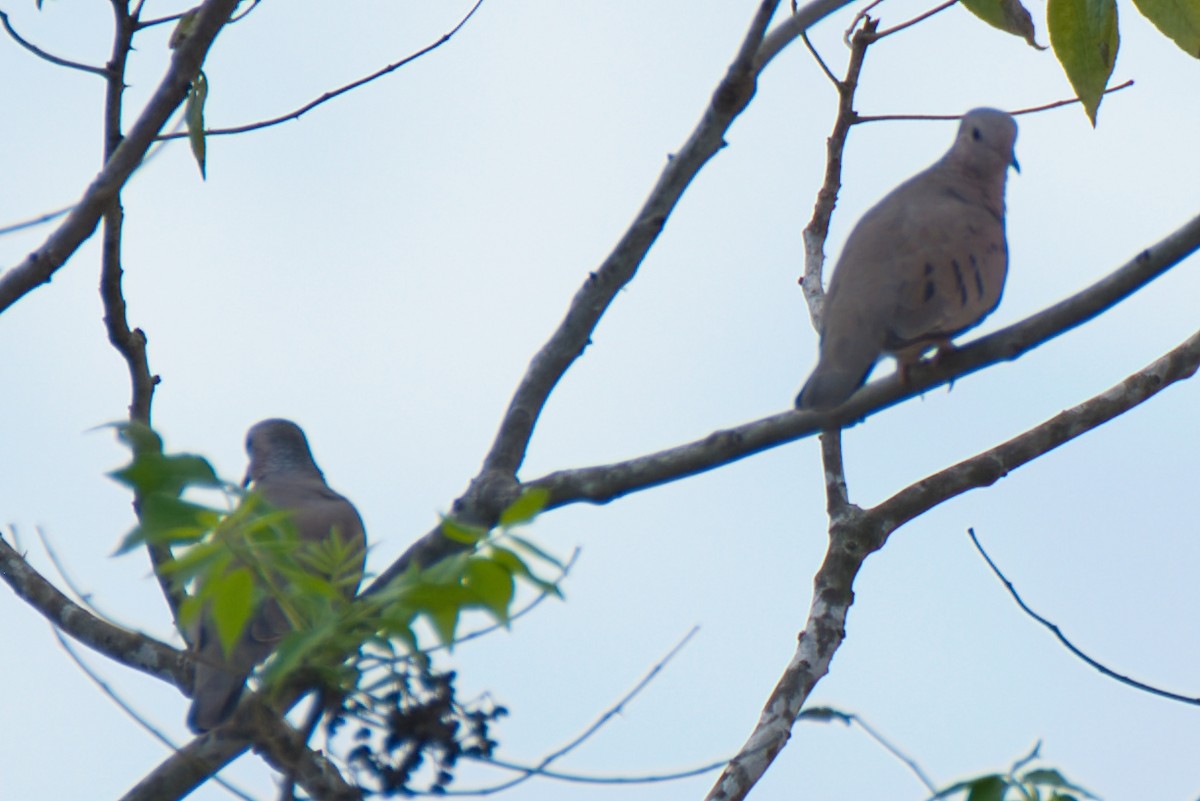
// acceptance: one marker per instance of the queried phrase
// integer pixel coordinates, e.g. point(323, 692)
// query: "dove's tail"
point(214, 697)
point(843, 367)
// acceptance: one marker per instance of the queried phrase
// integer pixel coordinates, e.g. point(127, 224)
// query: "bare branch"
point(40, 266)
point(1112, 674)
point(818, 226)
point(330, 95)
point(600, 722)
point(604, 483)
point(129, 648)
point(130, 344)
point(865, 118)
point(566, 344)
point(824, 713)
point(993, 464)
point(791, 27)
point(578, 778)
point(42, 54)
point(919, 18)
point(128, 709)
point(854, 537)
point(851, 541)
point(33, 222)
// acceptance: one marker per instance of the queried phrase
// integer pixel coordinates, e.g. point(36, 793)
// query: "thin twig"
point(862, 119)
point(863, 14)
point(820, 61)
point(1070, 646)
point(42, 54)
point(823, 714)
point(85, 598)
point(896, 752)
point(330, 95)
point(41, 219)
point(582, 779)
point(609, 714)
point(128, 648)
point(129, 711)
point(39, 267)
point(915, 20)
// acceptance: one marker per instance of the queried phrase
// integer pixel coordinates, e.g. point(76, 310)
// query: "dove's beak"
point(246, 480)
point(1016, 165)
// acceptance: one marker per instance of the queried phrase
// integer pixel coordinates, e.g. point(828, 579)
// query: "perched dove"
point(282, 470)
point(923, 265)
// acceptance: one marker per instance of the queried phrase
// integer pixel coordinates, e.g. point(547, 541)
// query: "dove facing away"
point(283, 472)
point(923, 265)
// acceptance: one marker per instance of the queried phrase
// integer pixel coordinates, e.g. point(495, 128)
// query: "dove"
point(283, 472)
point(923, 265)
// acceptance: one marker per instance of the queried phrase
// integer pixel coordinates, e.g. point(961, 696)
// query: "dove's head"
point(277, 447)
point(984, 145)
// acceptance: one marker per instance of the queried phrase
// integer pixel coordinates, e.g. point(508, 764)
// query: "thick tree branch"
point(858, 534)
point(126, 647)
point(40, 266)
point(604, 483)
point(594, 297)
point(988, 467)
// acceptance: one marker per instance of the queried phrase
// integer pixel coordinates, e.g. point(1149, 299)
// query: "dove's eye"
point(975, 134)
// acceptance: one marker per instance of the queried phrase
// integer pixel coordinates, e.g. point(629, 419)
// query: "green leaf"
point(492, 585)
point(461, 532)
point(1049, 777)
point(194, 116)
point(140, 437)
point(1178, 20)
point(445, 623)
point(987, 788)
point(1085, 39)
point(1007, 15)
point(529, 547)
point(149, 473)
point(232, 604)
point(525, 508)
point(825, 714)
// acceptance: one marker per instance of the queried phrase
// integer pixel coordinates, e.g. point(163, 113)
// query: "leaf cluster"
point(1021, 783)
point(1085, 35)
point(365, 655)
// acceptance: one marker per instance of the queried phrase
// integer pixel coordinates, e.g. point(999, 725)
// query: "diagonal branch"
point(42, 54)
point(604, 483)
point(988, 467)
point(594, 297)
point(855, 537)
point(129, 648)
point(39, 267)
point(296, 114)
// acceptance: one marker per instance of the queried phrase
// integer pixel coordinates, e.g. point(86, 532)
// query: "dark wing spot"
point(928, 269)
point(958, 278)
point(930, 291)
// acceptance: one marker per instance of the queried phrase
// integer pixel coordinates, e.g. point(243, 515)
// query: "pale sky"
point(382, 270)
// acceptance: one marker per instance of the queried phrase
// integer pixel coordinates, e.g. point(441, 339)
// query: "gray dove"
point(282, 470)
point(923, 265)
